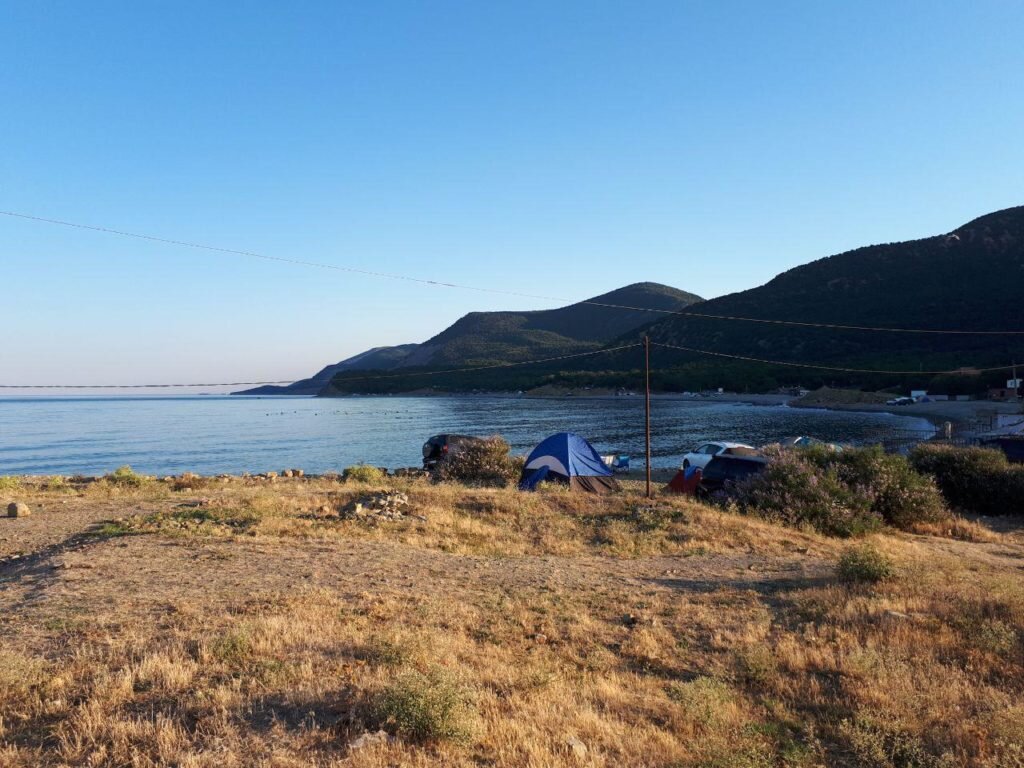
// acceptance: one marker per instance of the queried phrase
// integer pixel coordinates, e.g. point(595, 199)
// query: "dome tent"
point(567, 458)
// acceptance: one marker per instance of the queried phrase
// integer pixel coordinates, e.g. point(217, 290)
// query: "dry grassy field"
point(238, 622)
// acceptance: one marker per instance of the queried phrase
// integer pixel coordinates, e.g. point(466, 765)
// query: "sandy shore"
point(968, 417)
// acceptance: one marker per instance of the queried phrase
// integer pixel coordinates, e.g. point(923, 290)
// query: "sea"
point(237, 434)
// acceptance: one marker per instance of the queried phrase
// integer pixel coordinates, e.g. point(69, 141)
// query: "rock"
point(642, 619)
point(286, 473)
point(298, 473)
point(375, 507)
point(18, 509)
point(371, 739)
point(898, 615)
point(577, 748)
point(270, 475)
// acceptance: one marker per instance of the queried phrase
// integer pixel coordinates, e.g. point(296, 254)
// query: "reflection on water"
point(168, 435)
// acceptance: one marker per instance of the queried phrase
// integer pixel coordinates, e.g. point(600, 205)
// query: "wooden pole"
point(647, 408)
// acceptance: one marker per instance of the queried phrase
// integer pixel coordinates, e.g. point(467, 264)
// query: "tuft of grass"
point(707, 700)
point(431, 706)
point(233, 648)
point(387, 651)
point(126, 477)
point(364, 473)
point(864, 564)
point(57, 484)
point(9, 483)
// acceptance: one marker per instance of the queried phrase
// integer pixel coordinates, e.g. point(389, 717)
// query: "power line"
point(460, 286)
point(354, 378)
point(487, 367)
point(829, 367)
point(141, 386)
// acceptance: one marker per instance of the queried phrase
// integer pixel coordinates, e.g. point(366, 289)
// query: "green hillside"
point(488, 337)
point(969, 279)
point(482, 338)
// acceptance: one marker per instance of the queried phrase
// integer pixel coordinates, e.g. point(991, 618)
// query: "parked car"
point(900, 401)
point(727, 468)
point(439, 447)
point(806, 441)
point(700, 456)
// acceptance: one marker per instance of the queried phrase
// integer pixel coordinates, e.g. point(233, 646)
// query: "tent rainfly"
point(567, 458)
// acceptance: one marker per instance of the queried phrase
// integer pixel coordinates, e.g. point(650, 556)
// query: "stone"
point(286, 473)
point(370, 739)
point(577, 748)
point(18, 509)
point(376, 507)
point(298, 473)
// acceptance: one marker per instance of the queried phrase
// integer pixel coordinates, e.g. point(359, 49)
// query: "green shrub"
point(427, 707)
point(705, 699)
point(975, 480)
point(795, 491)
point(864, 564)
point(480, 462)
point(9, 483)
point(125, 477)
point(57, 483)
point(879, 743)
point(364, 473)
point(386, 651)
point(899, 495)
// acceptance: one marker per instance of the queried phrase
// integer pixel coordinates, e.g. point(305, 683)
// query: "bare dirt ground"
point(240, 624)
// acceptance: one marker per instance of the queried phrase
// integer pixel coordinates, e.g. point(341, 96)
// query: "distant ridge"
point(482, 338)
point(971, 278)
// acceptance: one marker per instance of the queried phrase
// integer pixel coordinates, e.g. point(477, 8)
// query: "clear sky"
point(565, 148)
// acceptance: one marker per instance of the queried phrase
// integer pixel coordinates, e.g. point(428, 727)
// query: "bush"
point(57, 483)
point(876, 742)
point(975, 480)
point(9, 483)
point(364, 473)
point(899, 495)
point(794, 490)
point(427, 707)
point(864, 565)
point(481, 462)
point(125, 477)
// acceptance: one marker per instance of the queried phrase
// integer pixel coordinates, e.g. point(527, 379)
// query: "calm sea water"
point(208, 435)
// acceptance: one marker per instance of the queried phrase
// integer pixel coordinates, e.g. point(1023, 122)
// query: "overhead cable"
point(816, 366)
point(539, 297)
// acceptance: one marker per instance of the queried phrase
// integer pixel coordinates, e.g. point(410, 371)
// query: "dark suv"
point(724, 470)
point(438, 447)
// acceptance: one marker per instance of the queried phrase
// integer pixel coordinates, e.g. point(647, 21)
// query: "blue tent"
point(567, 458)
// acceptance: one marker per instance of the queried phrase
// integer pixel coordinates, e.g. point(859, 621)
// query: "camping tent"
point(567, 458)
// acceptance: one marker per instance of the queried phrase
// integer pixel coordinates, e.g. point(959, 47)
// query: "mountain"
point(482, 338)
point(969, 279)
point(378, 358)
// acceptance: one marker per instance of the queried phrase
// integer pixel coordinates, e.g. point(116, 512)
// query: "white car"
point(700, 456)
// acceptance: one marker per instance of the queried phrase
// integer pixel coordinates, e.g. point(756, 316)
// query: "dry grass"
point(506, 629)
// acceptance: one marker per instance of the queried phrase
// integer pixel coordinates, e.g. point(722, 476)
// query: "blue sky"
point(561, 148)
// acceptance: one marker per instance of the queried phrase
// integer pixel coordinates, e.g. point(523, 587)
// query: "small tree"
point(480, 462)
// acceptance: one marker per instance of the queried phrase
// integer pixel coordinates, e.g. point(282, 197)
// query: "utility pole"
point(647, 407)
